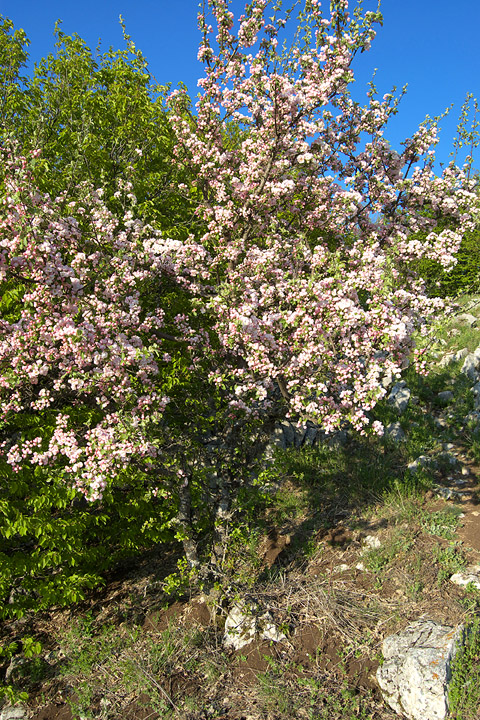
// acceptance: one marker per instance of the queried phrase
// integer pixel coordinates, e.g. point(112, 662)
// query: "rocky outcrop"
point(415, 675)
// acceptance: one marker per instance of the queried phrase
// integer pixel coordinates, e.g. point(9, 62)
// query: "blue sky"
point(433, 45)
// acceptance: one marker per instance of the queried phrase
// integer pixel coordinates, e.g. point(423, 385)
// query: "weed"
point(442, 523)
point(450, 559)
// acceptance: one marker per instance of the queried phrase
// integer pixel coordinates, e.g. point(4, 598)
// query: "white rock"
point(468, 319)
point(268, 631)
point(471, 574)
point(445, 492)
point(447, 360)
point(471, 364)
point(372, 542)
point(417, 669)
point(13, 713)
point(242, 625)
point(422, 461)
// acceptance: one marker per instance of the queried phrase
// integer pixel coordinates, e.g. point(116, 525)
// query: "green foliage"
point(463, 278)
point(464, 689)
point(99, 118)
point(13, 58)
point(53, 544)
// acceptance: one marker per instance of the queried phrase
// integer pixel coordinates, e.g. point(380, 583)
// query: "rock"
point(467, 319)
point(338, 440)
point(415, 675)
point(445, 397)
point(243, 624)
point(310, 435)
point(16, 663)
point(394, 432)
point(305, 434)
point(399, 396)
point(372, 542)
point(13, 713)
point(446, 493)
point(476, 396)
point(448, 458)
point(447, 360)
point(240, 627)
point(471, 364)
point(452, 357)
point(423, 461)
point(471, 574)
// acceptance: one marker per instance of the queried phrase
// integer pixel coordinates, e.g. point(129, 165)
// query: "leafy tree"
point(96, 117)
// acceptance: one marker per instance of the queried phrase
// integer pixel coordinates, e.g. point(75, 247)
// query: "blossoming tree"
point(309, 213)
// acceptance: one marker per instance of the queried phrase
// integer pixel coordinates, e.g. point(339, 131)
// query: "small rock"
point(372, 542)
point(465, 471)
point(470, 366)
point(447, 360)
point(471, 574)
point(461, 354)
point(395, 432)
point(338, 440)
point(448, 457)
point(242, 625)
point(468, 319)
point(399, 396)
point(13, 713)
point(423, 461)
point(445, 396)
point(446, 493)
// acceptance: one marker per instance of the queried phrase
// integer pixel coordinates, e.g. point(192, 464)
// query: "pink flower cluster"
point(310, 229)
point(82, 335)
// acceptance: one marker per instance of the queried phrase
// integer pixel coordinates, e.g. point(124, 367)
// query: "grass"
point(464, 691)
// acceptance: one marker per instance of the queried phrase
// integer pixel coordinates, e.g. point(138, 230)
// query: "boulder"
point(417, 670)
